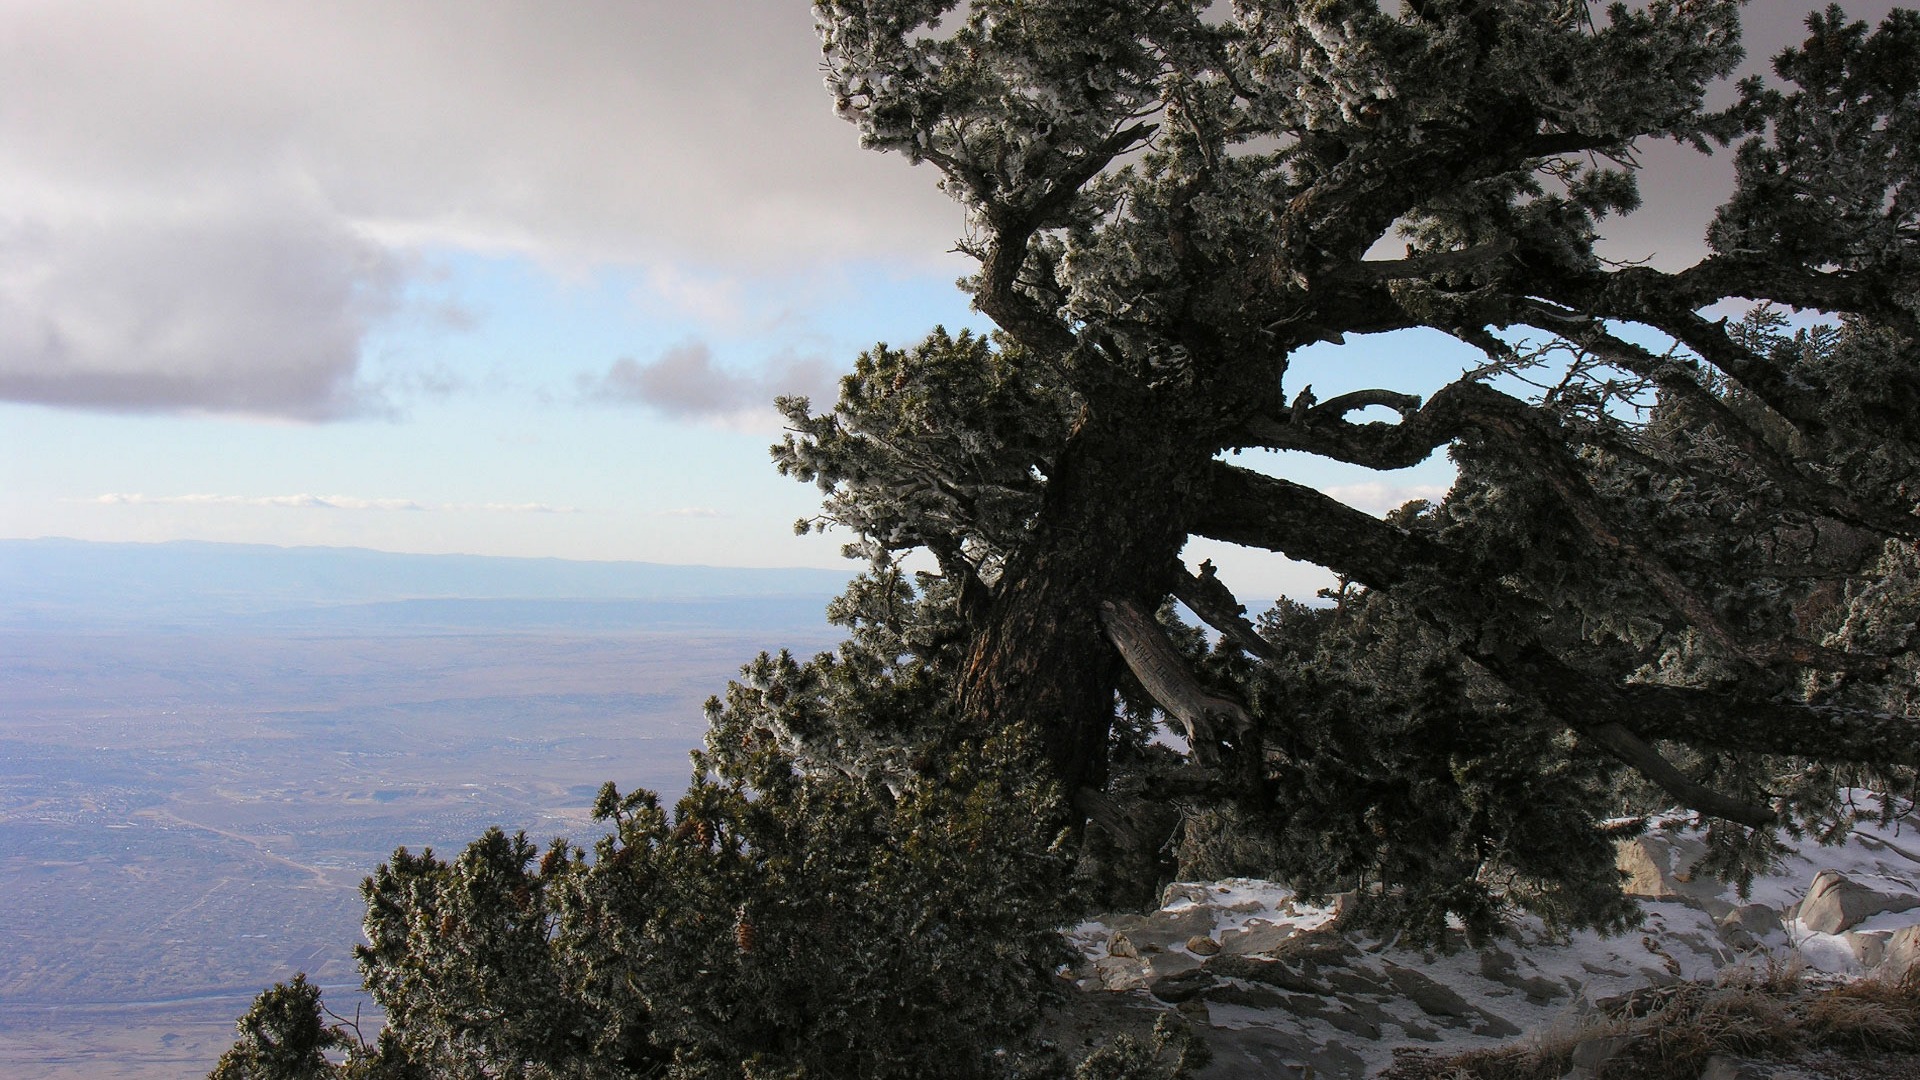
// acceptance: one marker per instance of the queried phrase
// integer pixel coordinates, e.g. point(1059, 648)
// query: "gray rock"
point(1184, 923)
point(1903, 952)
point(1590, 1055)
point(1195, 1012)
point(1869, 950)
point(1323, 948)
point(1749, 926)
point(1659, 866)
point(1162, 964)
point(1432, 998)
point(1416, 1030)
point(1504, 969)
point(1645, 862)
point(1264, 998)
point(1357, 981)
point(1756, 919)
point(1258, 1053)
point(1196, 892)
point(1120, 973)
point(1184, 986)
point(1727, 1067)
point(1278, 973)
point(1160, 932)
point(1496, 1027)
point(1496, 961)
point(1835, 903)
point(1538, 990)
point(1355, 1018)
point(1255, 939)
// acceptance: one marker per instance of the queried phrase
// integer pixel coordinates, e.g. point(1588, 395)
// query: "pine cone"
point(744, 934)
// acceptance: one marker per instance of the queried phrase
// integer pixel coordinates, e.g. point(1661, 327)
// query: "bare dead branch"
point(1208, 719)
point(1210, 599)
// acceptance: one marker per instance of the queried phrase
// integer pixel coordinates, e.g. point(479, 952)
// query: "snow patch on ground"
point(1275, 990)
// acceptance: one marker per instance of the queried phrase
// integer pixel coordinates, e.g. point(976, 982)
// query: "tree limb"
point(1632, 749)
point(1107, 815)
point(1716, 719)
point(1013, 226)
point(1261, 511)
point(1545, 443)
point(1166, 676)
point(1436, 262)
point(1838, 291)
point(1337, 408)
point(1671, 303)
point(1672, 377)
point(1469, 406)
point(1210, 599)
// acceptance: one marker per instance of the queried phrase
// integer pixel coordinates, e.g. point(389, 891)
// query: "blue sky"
point(486, 277)
point(493, 427)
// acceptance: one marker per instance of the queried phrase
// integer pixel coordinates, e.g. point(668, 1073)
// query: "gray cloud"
point(212, 199)
point(256, 311)
point(140, 143)
point(601, 129)
point(323, 502)
point(685, 382)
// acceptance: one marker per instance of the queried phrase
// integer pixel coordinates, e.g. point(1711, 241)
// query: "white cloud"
point(257, 310)
point(692, 512)
point(710, 299)
point(598, 128)
point(1378, 499)
point(510, 508)
point(685, 382)
point(208, 203)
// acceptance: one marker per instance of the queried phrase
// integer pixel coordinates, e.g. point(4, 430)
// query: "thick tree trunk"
point(1113, 522)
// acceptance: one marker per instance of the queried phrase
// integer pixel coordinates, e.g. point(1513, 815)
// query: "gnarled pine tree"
point(1679, 565)
point(1650, 560)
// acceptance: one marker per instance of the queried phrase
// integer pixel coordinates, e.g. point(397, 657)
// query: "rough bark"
point(1168, 298)
point(1246, 507)
point(1212, 723)
point(1111, 526)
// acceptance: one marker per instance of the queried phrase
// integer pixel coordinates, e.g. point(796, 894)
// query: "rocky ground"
point(1278, 992)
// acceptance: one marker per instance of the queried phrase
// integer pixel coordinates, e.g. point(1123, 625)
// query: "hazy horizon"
point(205, 747)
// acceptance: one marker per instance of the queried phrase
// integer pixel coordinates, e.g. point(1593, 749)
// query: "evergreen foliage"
point(776, 946)
point(282, 1037)
point(789, 917)
point(1634, 594)
point(1680, 563)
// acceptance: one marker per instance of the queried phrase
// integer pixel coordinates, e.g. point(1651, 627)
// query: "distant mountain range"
point(57, 582)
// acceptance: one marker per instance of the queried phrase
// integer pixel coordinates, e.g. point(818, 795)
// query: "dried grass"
point(1772, 1013)
point(1870, 1013)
